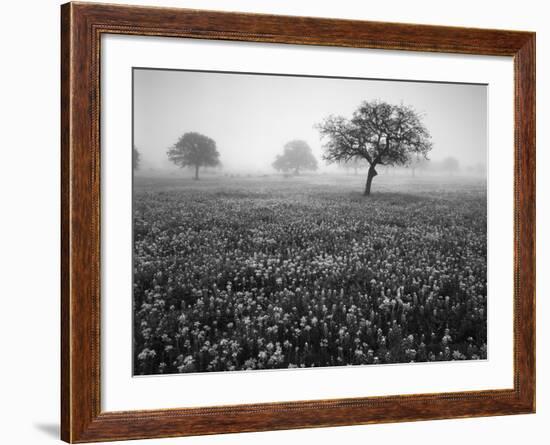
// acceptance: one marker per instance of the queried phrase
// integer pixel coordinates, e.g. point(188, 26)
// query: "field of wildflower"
point(243, 273)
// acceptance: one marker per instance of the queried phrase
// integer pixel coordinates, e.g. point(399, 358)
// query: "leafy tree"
point(450, 165)
point(297, 155)
point(136, 158)
point(380, 133)
point(194, 150)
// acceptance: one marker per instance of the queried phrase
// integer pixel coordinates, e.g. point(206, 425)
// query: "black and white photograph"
point(229, 222)
point(285, 221)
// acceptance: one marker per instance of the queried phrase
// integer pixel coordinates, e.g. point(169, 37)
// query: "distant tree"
point(194, 150)
point(424, 165)
point(297, 155)
point(418, 162)
point(353, 164)
point(380, 133)
point(136, 158)
point(480, 169)
point(450, 165)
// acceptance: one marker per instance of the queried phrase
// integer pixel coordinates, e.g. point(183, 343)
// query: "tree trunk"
point(370, 176)
point(196, 172)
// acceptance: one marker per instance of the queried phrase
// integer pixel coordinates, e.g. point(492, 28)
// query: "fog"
point(252, 116)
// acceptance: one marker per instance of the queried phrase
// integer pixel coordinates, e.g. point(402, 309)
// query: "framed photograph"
point(274, 222)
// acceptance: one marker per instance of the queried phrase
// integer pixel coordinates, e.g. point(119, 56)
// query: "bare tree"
point(380, 133)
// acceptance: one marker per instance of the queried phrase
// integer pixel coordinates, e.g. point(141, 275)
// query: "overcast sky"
point(252, 116)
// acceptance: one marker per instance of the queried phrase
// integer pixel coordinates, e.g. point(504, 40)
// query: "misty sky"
point(251, 117)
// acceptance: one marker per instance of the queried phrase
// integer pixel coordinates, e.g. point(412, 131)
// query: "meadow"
point(266, 272)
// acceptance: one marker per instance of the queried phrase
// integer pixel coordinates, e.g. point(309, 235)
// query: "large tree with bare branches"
point(379, 132)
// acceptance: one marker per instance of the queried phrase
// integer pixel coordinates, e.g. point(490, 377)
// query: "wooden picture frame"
point(82, 25)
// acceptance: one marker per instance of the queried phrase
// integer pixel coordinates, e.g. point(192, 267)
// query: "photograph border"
point(82, 25)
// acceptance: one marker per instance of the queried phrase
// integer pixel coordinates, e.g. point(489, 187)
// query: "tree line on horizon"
point(378, 134)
